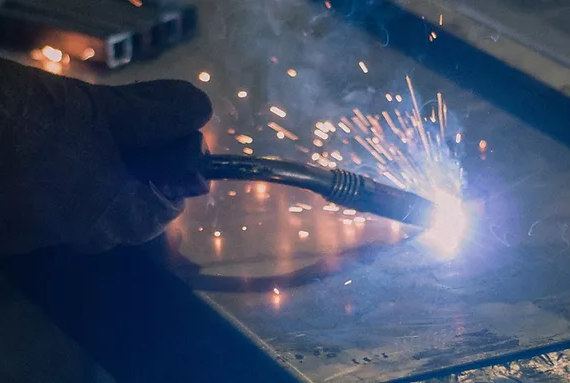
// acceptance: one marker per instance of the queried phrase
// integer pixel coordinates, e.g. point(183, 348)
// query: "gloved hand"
point(64, 177)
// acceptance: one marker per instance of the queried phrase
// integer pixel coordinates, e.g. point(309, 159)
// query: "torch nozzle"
point(340, 187)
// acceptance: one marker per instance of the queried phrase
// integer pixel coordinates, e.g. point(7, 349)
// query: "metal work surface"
point(336, 296)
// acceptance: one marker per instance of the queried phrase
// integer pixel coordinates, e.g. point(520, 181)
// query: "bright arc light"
point(449, 224)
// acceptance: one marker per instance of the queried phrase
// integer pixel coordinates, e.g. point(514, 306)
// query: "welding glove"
point(65, 170)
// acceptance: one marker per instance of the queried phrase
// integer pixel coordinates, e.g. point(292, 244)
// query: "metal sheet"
point(339, 300)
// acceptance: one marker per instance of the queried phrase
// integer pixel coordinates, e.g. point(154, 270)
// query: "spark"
point(248, 151)
point(303, 234)
point(440, 114)
point(389, 97)
point(440, 19)
point(217, 234)
point(318, 143)
point(243, 139)
point(363, 67)
point(278, 128)
point(232, 193)
point(432, 36)
point(482, 145)
point(418, 118)
point(321, 134)
point(331, 207)
point(278, 111)
point(276, 291)
point(337, 156)
point(280, 135)
point(348, 282)
point(344, 128)
point(244, 228)
point(398, 98)
point(295, 209)
point(292, 72)
point(328, 4)
point(315, 156)
point(204, 76)
point(347, 221)
point(359, 219)
point(349, 212)
point(242, 94)
point(136, 3)
point(304, 206)
point(200, 228)
point(52, 54)
point(458, 138)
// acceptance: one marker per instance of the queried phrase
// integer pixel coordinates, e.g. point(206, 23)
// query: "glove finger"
point(150, 113)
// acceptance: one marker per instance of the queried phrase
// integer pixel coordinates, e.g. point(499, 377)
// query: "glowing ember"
point(363, 67)
point(244, 228)
point(295, 209)
point(292, 73)
point(359, 219)
point(349, 212)
point(276, 291)
point(303, 234)
point(482, 145)
point(242, 94)
point(217, 234)
point(232, 193)
point(248, 151)
point(348, 282)
point(280, 135)
point(204, 77)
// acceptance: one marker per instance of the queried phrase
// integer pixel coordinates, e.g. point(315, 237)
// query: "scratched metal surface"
point(551, 368)
point(356, 301)
point(541, 25)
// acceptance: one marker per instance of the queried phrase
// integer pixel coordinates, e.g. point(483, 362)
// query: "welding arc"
point(337, 186)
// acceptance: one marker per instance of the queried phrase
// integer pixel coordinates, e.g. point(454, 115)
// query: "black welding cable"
point(337, 186)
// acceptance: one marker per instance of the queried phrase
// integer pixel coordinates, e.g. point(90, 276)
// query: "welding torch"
point(341, 187)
